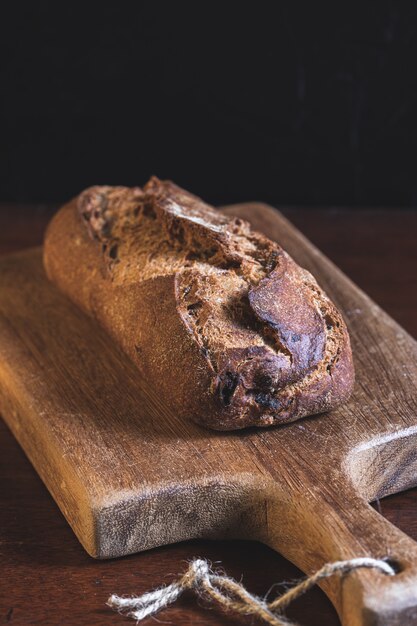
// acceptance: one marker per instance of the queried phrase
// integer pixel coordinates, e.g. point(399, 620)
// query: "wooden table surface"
point(47, 578)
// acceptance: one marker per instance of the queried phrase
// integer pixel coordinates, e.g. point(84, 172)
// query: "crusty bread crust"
point(231, 331)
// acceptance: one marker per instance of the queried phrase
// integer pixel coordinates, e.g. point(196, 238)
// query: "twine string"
point(232, 596)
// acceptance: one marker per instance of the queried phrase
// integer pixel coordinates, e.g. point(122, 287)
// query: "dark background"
point(306, 103)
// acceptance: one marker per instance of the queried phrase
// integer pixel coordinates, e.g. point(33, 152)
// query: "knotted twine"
point(230, 595)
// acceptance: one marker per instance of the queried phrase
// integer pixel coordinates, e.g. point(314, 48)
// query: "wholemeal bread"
point(220, 320)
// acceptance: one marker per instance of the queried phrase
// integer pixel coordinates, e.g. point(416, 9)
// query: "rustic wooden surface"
point(65, 563)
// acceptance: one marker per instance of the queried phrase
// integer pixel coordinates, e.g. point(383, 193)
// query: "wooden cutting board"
point(128, 475)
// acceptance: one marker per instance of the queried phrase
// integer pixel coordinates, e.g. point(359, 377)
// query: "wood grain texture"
point(266, 467)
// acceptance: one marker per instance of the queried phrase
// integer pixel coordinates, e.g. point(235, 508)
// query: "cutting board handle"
point(321, 527)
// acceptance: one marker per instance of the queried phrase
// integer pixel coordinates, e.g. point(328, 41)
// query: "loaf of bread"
point(223, 324)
